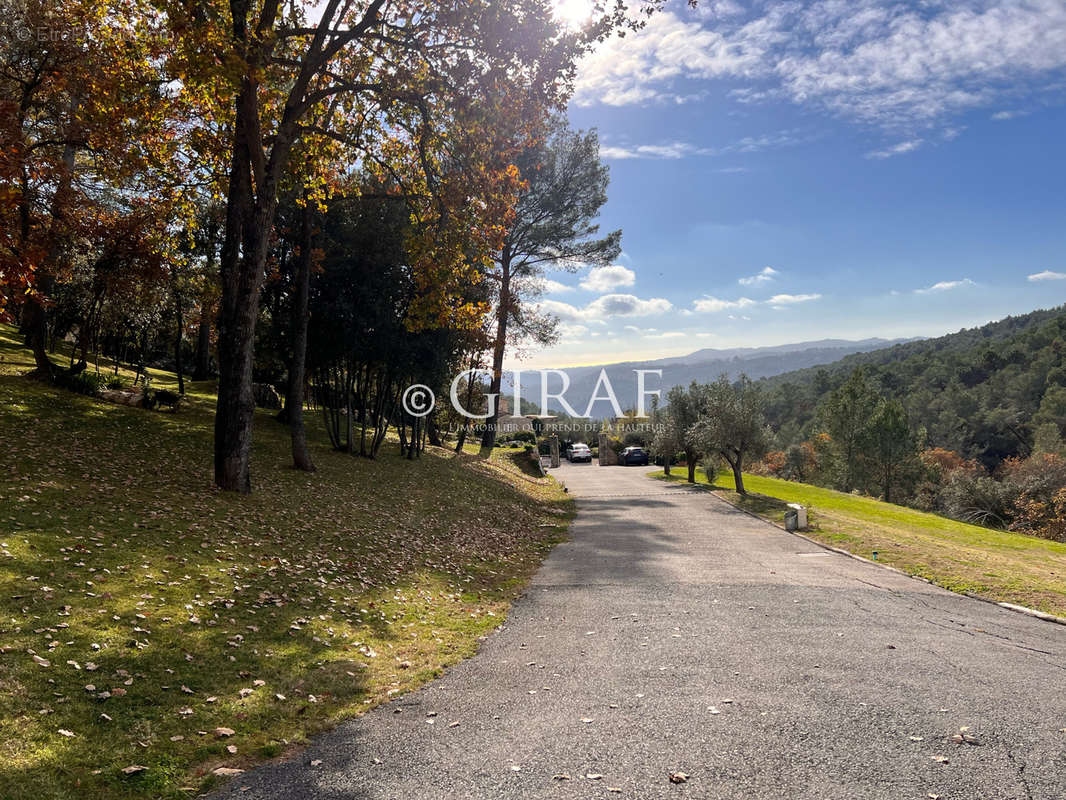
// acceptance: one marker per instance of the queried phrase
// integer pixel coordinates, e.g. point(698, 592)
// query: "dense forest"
point(982, 392)
point(971, 424)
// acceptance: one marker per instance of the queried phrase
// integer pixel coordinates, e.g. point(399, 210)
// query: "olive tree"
point(731, 424)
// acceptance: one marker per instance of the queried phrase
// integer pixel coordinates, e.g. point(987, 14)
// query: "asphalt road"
point(675, 634)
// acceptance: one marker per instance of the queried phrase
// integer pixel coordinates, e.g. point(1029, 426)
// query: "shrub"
point(81, 382)
point(799, 462)
point(979, 499)
point(524, 436)
point(1038, 485)
point(773, 463)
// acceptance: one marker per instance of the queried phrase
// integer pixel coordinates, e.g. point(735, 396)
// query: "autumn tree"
point(564, 188)
point(413, 80)
point(83, 112)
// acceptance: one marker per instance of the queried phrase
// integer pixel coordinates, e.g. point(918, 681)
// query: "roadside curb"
point(1032, 612)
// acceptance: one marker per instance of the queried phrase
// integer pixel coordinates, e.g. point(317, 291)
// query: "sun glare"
point(574, 13)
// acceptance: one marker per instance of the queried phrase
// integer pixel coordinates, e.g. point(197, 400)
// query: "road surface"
point(676, 634)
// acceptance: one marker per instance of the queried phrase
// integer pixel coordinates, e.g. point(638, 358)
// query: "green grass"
point(997, 565)
point(275, 614)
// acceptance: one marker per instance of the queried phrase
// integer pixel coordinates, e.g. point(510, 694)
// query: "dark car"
point(633, 456)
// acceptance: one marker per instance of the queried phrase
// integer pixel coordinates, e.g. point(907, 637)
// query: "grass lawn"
point(1001, 566)
point(148, 620)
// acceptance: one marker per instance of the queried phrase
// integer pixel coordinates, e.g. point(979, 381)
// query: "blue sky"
point(785, 171)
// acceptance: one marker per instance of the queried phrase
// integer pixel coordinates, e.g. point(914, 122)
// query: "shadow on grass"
point(365, 578)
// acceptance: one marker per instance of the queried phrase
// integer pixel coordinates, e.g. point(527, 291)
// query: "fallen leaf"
point(222, 733)
point(227, 771)
point(594, 776)
point(65, 732)
point(133, 769)
point(678, 777)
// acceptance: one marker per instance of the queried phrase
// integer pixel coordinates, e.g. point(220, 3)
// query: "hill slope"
point(142, 609)
point(702, 365)
point(981, 392)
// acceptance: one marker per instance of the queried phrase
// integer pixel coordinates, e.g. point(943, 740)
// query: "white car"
point(578, 452)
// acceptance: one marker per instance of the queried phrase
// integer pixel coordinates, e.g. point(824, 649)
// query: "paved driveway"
point(675, 634)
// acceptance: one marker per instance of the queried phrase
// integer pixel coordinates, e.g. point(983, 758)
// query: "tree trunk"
point(180, 338)
point(294, 400)
point(433, 433)
point(690, 462)
point(475, 357)
point(488, 438)
point(201, 367)
point(249, 221)
point(738, 473)
point(35, 314)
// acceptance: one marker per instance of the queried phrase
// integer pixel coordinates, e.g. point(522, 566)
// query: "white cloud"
point(765, 275)
point(896, 65)
point(710, 304)
point(897, 149)
point(791, 299)
point(1001, 116)
point(945, 286)
point(713, 304)
point(604, 279)
point(1048, 275)
point(554, 287)
point(605, 307)
point(572, 334)
point(545, 286)
point(674, 150)
point(670, 151)
point(626, 305)
point(564, 311)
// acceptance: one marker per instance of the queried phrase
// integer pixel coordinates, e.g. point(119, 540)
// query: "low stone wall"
point(122, 397)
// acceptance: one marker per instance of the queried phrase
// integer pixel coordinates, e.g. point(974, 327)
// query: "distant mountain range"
point(702, 365)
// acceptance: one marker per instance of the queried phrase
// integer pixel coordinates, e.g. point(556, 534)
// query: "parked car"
point(578, 452)
point(633, 456)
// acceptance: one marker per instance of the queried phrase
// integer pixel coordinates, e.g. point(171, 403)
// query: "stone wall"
point(607, 456)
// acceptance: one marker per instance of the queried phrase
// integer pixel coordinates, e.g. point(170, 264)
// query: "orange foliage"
point(942, 462)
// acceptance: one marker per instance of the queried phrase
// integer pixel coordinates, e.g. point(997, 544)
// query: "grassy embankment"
point(141, 610)
point(997, 565)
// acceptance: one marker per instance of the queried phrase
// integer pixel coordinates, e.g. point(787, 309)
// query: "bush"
point(1038, 485)
point(116, 383)
point(524, 436)
point(81, 382)
point(977, 499)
